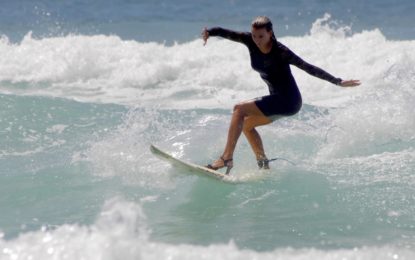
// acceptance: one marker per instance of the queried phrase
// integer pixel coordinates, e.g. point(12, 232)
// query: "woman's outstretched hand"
point(205, 36)
point(350, 83)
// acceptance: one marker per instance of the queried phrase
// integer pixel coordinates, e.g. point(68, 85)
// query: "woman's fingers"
point(350, 83)
point(205, 35)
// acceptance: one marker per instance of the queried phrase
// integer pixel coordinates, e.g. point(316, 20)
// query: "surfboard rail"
point(200, 170)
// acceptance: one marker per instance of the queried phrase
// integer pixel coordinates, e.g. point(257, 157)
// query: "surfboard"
point(192, 168)
point(188, 166)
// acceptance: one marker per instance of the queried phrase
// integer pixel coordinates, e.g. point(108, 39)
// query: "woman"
point(272, 60)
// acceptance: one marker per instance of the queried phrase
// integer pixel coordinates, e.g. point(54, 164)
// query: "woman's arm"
point(241, 37)
point(313, 70)
point(316, 71)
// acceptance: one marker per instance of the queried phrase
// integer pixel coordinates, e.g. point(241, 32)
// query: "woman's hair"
point(262, 22)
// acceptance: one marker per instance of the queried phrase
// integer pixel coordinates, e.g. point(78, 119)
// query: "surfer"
point(272, 60)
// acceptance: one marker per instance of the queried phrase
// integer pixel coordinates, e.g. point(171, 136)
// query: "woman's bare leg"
point(253, 136)
point(240, 113)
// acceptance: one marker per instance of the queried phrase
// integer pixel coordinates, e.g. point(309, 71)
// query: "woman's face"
point(261, 37)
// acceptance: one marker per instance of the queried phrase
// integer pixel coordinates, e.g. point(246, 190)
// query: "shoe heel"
point(228, 169)
point(226, 163)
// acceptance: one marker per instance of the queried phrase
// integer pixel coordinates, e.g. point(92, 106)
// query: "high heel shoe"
point(226, 163)
point(263, 164)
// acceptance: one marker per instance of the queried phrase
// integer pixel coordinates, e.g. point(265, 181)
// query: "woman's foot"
point(263, 163)
point(220, 163)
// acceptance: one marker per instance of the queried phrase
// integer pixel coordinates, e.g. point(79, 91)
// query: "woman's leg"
point(253, 136)
point(240, 113)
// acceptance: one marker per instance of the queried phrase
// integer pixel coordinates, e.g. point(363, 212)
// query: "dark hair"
point(263, 22)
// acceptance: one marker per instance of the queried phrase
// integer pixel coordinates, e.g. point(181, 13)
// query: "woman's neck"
point(266, 49)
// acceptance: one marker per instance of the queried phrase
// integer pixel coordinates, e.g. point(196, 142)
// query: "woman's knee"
point(251, 122)
point(239, 110)
point(247, 129)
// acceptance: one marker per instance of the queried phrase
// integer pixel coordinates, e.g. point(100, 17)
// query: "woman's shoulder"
point(280, 46)
point(283, 50)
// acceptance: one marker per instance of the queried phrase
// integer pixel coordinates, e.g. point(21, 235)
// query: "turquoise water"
point(79, 110)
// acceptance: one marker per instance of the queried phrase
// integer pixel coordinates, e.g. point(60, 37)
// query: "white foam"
point(125, 153)
point(383, 167)
point(120, 233)
point(108, 69)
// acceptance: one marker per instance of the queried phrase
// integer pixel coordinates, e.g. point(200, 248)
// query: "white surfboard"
point(209, 173)
point(200, 170)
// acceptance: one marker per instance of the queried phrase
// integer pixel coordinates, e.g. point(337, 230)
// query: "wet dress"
point(274, 68)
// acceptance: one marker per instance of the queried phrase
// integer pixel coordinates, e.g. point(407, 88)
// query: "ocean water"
point(86, 86)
